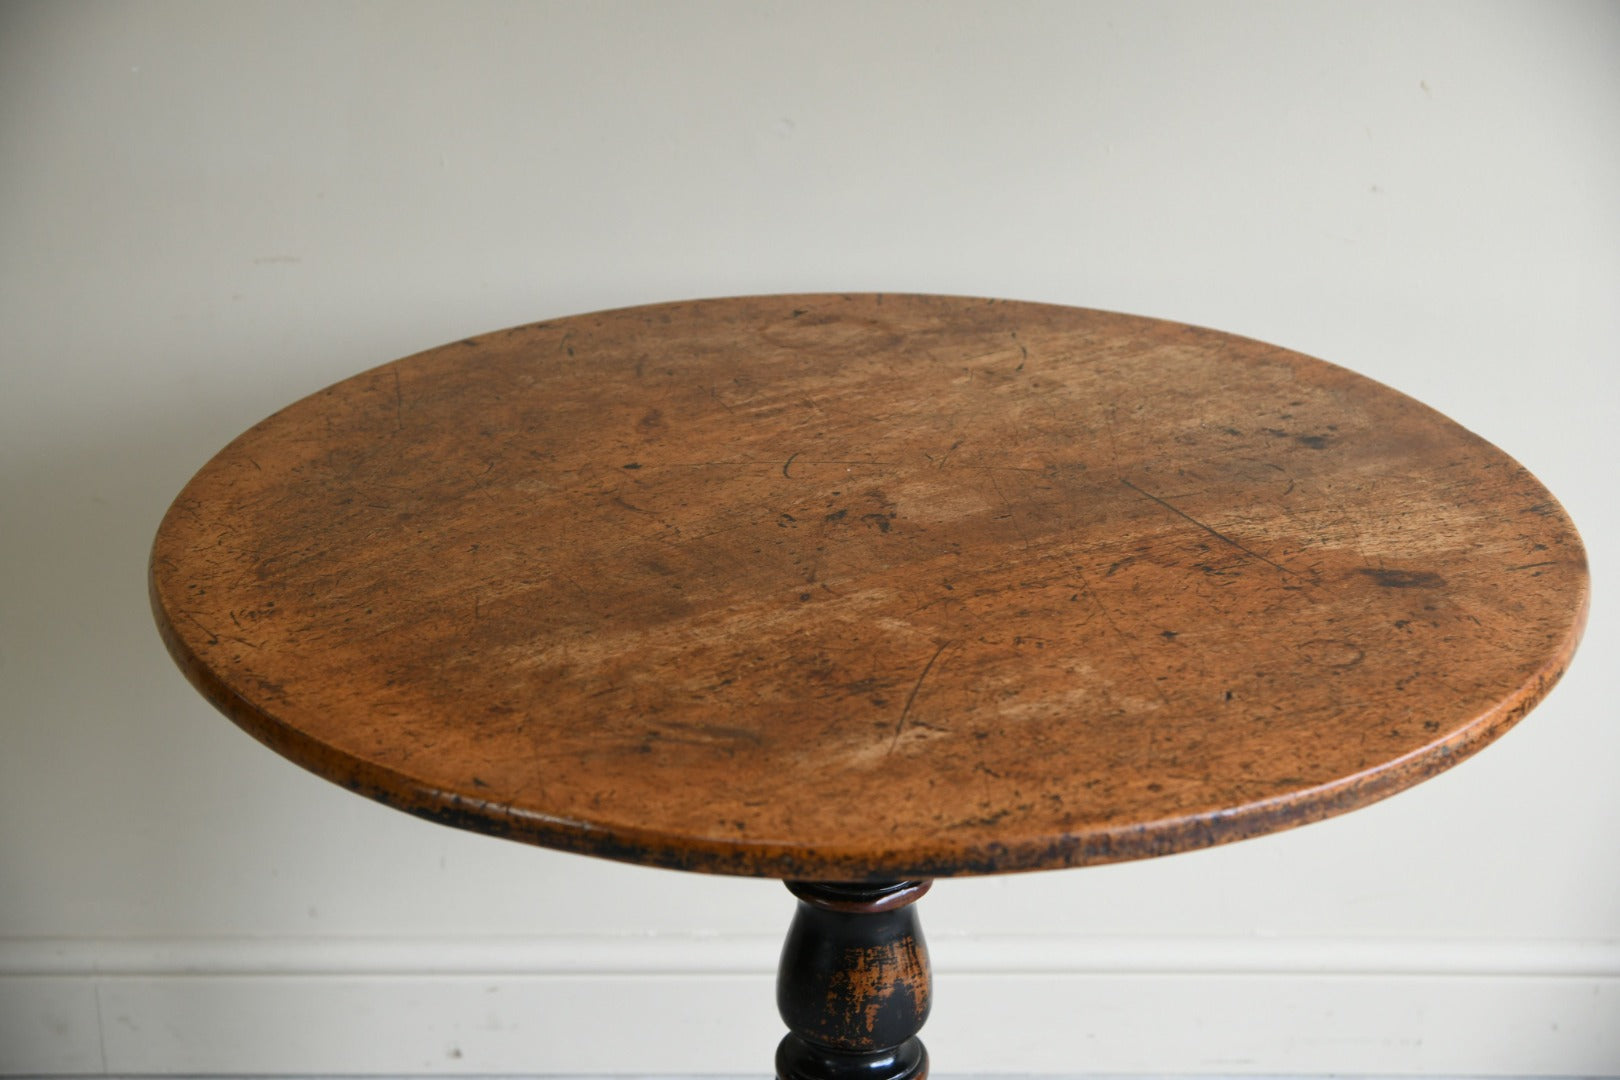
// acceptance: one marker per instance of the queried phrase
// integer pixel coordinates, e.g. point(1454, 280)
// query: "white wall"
point(207, 210)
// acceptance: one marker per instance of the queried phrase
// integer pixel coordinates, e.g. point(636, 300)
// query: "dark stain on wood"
point(1407, 579)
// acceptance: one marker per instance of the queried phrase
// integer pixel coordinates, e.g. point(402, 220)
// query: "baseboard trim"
point(670, 1005)
point(711, 954)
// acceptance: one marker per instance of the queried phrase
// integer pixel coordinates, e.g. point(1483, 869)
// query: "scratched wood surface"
point(868, 587)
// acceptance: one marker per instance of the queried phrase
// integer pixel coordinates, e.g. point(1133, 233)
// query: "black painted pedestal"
point(853, 985)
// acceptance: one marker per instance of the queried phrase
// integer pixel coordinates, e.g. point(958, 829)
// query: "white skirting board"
point(703, 1006)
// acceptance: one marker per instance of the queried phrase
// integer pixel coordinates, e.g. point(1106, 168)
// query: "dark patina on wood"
point(868, 588)
point(853, 985)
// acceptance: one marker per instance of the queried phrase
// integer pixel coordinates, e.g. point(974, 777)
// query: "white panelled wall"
point(208, 210)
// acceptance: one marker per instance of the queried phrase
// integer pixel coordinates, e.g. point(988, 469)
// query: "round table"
point(862, 591)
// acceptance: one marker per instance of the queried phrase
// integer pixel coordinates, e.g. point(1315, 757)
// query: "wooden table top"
point(868, 587)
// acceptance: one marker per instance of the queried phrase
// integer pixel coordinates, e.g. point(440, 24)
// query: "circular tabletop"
point(868, 587)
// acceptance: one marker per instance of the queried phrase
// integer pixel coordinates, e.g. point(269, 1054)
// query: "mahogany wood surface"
point(858, 588)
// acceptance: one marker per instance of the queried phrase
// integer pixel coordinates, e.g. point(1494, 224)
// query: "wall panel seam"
point(587, 955)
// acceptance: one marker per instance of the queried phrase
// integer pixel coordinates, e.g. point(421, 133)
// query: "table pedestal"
point(853, 985)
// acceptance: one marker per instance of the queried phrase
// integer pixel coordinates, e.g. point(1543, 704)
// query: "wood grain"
point(868, 587)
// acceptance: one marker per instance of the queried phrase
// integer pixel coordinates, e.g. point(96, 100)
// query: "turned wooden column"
point(853, 985)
